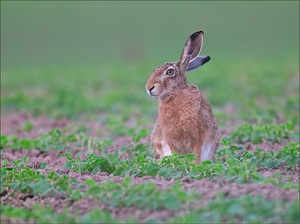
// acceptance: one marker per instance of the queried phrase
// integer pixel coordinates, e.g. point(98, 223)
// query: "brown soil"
point(13, 123)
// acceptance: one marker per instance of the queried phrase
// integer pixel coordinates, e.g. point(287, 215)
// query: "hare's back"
point(205, 113)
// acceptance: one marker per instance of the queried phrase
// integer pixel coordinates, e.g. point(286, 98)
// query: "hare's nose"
point(152, 88)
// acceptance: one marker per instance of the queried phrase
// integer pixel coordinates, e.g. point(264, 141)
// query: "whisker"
point(147, 103)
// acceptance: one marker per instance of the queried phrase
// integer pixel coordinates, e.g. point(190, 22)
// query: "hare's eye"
point(170, 72)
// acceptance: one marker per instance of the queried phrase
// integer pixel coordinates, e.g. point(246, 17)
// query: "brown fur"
point(185, 119)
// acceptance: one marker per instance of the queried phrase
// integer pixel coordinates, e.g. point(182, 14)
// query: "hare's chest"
point(179, 120)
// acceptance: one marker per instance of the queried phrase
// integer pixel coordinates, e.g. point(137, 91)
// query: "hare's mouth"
point(152, 94)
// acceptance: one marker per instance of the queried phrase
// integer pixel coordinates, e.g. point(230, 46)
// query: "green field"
point(73, 78)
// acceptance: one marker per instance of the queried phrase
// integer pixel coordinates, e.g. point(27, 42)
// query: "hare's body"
point(185, 123)
point(188, 129)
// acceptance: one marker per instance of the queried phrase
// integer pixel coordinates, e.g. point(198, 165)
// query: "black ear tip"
point(193, 36)
point(196, 34)
point(207, 59)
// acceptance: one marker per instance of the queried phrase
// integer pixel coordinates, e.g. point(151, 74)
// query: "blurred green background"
point(84, 56)
point(97, 33)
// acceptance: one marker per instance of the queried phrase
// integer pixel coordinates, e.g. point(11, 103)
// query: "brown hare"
point(185, 122)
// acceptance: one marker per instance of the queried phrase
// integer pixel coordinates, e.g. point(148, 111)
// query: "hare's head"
point(167, 78)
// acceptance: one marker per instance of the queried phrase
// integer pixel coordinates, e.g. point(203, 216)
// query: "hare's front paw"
point(166, 149)
point(161, 149)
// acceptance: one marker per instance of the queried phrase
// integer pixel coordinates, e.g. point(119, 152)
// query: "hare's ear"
point(197, 63)
point(191, 49)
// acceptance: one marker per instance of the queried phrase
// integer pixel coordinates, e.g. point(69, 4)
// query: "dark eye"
point(170, 72)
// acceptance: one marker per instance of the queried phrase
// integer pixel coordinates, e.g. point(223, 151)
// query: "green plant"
point(22, 178)
point(143, 196)
point(51, 140)
point(41, 214)
point(92, 143)
point(4, 140)
point(55, 140)
point(91, 163)
point(278, 180)
point(289, 155)
point(257, 133)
